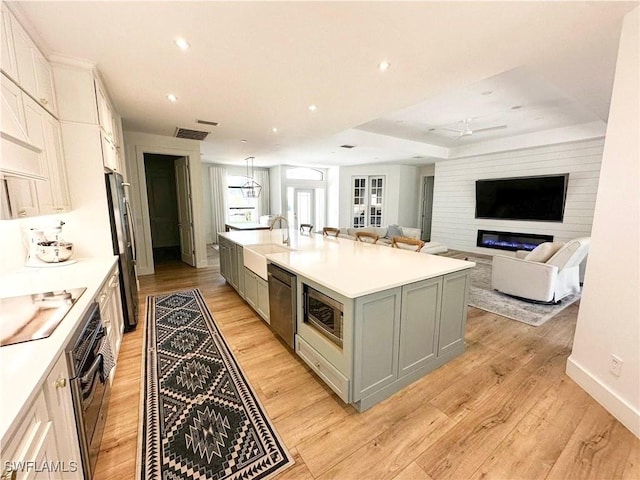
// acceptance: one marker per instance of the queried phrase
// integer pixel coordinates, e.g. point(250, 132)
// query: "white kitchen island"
point(404, 313)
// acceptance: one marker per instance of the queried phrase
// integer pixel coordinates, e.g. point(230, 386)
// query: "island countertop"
point(350, 268)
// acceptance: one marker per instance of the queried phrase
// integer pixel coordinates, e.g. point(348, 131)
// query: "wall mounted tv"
point(523, 198)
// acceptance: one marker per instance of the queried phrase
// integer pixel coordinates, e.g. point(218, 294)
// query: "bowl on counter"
point(54, 251)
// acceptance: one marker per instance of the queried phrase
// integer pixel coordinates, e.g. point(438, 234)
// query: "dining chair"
point(407, 243)
point(306, 228)
point(366, 237)
point(330, 232)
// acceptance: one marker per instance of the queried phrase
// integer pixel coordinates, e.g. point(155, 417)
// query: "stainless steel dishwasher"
point(282, 302)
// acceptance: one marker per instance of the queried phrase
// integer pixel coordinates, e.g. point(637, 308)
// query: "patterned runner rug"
point(201, 419)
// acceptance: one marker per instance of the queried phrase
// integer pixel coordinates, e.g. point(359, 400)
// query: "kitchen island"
point(403, 313)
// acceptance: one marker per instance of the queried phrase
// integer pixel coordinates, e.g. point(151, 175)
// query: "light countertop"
point(24, 366)
point(350, 268)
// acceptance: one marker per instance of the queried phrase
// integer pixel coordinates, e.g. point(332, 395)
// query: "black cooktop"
point(34, 316)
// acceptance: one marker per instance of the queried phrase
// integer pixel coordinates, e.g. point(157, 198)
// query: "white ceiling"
point(253, 66)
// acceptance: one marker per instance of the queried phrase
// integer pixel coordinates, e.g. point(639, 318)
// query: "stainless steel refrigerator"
point(123, 246)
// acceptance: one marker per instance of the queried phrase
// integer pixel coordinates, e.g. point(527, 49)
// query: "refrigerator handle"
point(132, 232)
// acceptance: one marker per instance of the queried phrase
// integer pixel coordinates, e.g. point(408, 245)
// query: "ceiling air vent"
point(347, 146)
point(191, 134)
point(207, 122)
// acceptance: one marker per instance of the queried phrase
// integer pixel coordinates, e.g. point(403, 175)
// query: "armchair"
point(537, 278)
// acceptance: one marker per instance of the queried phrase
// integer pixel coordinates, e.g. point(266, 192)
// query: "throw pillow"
point(543, 252)
point(394, 231)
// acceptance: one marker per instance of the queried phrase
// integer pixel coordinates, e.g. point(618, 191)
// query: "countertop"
point(350, 268)
point(24, 366)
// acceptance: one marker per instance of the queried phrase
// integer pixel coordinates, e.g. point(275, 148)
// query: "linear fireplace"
point(511, 241)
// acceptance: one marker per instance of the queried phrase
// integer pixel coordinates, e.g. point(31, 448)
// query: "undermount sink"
point(255, 260)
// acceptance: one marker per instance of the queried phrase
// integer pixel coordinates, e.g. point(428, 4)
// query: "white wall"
point(333, 196)
point(454, 222)
point(401, 201)
point(136, 145)
point(609, 317)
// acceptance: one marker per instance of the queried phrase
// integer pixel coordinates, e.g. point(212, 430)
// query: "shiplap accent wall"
point(454, 222)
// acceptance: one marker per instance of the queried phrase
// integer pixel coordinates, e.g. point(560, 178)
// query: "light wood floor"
point(504, 409)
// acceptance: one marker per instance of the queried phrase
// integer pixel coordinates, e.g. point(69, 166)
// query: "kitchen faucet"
point(285, 232)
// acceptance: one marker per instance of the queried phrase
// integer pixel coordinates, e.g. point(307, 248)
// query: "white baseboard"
point(616, 406)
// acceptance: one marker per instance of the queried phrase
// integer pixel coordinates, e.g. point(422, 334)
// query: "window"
point(240, 208)
point(368, 195)
point(303, 173)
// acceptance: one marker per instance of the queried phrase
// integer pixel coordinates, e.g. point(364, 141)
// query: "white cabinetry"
point(57, 393)
point(45, 445)
point(26, 64)
point(19, 154)
point(111, 312)
point(7, 53)
point(108, 121)
point(44, 132)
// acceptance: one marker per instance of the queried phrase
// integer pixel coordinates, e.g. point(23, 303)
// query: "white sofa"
point(548, 273)
point(386, 233)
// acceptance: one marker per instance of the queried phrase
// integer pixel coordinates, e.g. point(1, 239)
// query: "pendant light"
point(251, 189)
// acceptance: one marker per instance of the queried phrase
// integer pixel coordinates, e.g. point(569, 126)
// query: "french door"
point(303, 206)
point(367, 201)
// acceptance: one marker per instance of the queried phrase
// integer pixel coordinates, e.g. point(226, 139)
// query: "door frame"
point(140, 202)
point(189, 210)
point(312, 191)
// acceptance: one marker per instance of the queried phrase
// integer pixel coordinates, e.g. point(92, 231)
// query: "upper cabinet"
point(109, 123)
point(33, 169)
point(25, 64)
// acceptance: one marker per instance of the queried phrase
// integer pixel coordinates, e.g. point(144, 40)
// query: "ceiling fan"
point(467, 131)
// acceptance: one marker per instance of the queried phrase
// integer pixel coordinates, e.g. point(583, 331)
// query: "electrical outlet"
point(616, 365)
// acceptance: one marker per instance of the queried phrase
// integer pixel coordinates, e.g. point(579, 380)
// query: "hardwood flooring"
point(503, 410)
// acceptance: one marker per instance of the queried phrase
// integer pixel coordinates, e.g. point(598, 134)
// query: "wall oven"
point(89, 381)
point(324, 313)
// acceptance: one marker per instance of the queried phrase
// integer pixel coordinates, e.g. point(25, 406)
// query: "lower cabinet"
point(256, 293)
point(229, 267)
point(46, 435)
point(240, 267)
point(403, 333)
point(111, 312)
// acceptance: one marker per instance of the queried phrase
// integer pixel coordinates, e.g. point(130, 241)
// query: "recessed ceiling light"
point(516, 107)
point(172, 98)
point(432, 130)
point(182, 44)
point(243, 141)
point(486, 92)
point(384, 65)
point(274, 130)
point(313, 108)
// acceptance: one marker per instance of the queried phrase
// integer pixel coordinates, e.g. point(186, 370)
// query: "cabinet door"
point(57, 393)
point(224, 259)
point(24, 59)
point(109, 156)
point(233, 265)
point(7, 54)
point(251, 288)
point(240, 263)
point(376, 337)
point(44, 132)
point(262, 306)
point(44, 81)
point(105, 115)
point(419, 322)
point(34, 71)
point(453, 319)
point(23, 197)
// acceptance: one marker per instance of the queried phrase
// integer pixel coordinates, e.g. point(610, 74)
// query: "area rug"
point(201, 418)
point(482, 296)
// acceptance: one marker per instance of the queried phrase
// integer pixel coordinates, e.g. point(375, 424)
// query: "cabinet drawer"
point(331, 376)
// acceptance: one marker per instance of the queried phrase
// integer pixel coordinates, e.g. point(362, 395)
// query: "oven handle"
point(88, 381)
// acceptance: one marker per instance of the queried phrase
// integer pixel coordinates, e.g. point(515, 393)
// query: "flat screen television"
point(523, 198)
